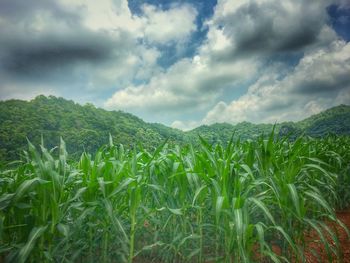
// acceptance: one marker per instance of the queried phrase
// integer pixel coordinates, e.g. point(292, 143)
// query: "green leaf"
point(175, 211)
point(24, 252)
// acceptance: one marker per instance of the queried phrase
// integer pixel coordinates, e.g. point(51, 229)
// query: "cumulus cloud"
point(243, 39)
point(100, 51)
point(320, 80)
point(345, 4)
point(190, 85)
point(14, 91)
point(185, 125)
point(49, 44)
point(44, 52)
point(23, 12)
point(163, 26)
point(268, 26)
point(84, 45)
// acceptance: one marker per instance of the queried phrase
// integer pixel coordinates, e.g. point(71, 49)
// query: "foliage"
point(85, 128)
point(175, 204)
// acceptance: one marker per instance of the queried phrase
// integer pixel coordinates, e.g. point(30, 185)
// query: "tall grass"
point(213, 203)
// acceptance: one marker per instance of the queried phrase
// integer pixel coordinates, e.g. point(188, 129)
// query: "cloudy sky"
point(182, 63)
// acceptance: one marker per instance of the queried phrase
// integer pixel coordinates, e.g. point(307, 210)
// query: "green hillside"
point(222, 132)
point(335, 120)
point(86, 128)
point(82, 127)
point(332, 121)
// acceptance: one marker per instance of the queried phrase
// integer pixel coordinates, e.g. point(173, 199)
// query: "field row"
point(233, 203)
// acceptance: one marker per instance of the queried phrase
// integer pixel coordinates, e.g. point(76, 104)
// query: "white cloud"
point(345, 4)
point(107, 28)
point(241, 36)
point(320, 80)
point(107, 15)
point(175, 24)
point(13, 91)
point(190, 85)
point(103, 49)
point(154, 24)
point(185, 125)
point(265, 26)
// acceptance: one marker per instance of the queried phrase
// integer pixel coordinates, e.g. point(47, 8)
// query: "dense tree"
point(85, 128)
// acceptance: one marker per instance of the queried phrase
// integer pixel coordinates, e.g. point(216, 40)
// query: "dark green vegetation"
point(175, 204)
point(82, 127)
point(86, 127)
point(228, 198)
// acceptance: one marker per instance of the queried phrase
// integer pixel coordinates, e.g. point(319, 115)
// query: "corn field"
point(211, 203)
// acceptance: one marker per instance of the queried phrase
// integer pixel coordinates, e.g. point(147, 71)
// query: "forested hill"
point(332, 121)
point(335, 120)
point(82, 127)
point(87, 127)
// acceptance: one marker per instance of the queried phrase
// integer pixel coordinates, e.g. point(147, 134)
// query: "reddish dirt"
point(316, 252)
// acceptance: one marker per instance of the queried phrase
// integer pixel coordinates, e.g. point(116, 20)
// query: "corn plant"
point(233, 203)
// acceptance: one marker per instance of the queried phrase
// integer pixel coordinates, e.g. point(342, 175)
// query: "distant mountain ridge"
point(335, 120)
point(85, 128)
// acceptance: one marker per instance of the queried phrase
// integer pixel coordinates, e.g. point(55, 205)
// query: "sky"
point(181, 63)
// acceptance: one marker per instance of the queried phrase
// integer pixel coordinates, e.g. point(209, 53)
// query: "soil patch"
point(315, 250)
